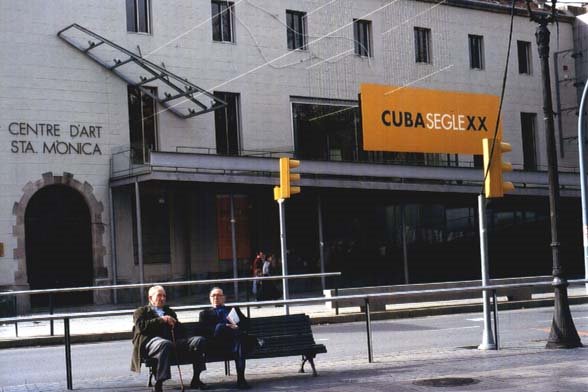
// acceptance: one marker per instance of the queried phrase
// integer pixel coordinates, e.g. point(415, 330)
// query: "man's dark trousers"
point(163, 350)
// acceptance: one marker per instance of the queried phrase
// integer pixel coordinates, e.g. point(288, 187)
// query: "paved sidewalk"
point(529, 368)
point(119, 327)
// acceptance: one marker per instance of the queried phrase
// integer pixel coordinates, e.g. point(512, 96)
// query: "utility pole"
point(563, 331)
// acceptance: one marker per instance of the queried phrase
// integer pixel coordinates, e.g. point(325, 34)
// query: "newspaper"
point(233, 317)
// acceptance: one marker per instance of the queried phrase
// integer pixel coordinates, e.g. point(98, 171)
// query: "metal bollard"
point(336, 302)
point(67, 338)
point(51, 328)
point(494, 300)
point(368, 326)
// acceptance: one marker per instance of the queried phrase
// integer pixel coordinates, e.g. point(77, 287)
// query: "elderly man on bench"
point(156, 331)
point(226, 331)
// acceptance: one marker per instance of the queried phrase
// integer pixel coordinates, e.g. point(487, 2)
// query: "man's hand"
point(169, 320)
point(232, 326)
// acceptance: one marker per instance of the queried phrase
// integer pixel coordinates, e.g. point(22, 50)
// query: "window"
point(222, 21)
point(362, 35)
point(422, 45)
point(476, 51)
point(529, 141)
point(296, 33)
point(138, 16)
point(142, 124)
point(155, 225)
point(227, 124)
point(331, 131)
point(524, 50)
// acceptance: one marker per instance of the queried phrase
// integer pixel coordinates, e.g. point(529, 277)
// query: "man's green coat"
point(147, 325)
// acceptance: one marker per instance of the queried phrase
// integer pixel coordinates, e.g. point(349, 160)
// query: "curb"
point(342, 318)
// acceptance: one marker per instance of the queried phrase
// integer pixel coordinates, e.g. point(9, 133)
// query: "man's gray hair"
point(154, 289)
point(215, 288)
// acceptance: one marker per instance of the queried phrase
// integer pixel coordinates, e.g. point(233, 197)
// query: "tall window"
point(222, 21)
point(155, 225)
point(227, 124)
point(476, 51)
point(524, 51)
point(296, 33)
point(138, 16)
point(362, 35)
point(529, 141)
point(142, 124)
point(422, 45)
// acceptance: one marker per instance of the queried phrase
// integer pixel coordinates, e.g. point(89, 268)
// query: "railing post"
point(368, 326)
point(51, 327)
point(67, 338)
point(337, 302)
point(15, 313)
point(494, 300)
point(247, 299)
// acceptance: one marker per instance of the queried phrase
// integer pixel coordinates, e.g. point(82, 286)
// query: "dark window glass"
point(362, 35)
point(296, 29)
point(155, 226)
point(143, 15)
point(422, 45)
point(478, 161)
point(131, 16)
point(222, 21)
point(524, 52)
point(142, 124)
point(333, 133)
point(138, 16)
point(476, 51)
point(529, 141)
point(227, 127)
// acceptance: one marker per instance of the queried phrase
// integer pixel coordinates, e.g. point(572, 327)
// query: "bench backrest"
point(288, 333)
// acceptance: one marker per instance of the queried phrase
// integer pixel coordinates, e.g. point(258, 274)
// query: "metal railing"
point(52, 292)
point(492, 289)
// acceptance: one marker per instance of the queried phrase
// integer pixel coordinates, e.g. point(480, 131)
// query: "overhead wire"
point(258, 67)
point(487, 171)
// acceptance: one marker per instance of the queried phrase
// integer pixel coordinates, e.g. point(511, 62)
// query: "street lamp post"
point(563, 331)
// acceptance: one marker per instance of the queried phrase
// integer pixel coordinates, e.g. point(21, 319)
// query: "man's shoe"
point(158, 387)
point(197, 384)
point(242, 384)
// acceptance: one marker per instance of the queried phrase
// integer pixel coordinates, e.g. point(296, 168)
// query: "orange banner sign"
point(421, 120)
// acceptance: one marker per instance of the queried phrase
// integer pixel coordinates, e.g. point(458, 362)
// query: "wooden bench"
point(283, 336)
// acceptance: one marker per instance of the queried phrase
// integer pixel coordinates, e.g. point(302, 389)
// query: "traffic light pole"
point(582, 154)
point(488, 342)
point(284, 252)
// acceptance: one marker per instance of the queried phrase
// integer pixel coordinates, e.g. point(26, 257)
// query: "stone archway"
point(96, 208)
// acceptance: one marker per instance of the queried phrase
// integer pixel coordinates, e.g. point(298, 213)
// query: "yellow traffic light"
point(494, 184)
point(285, 190)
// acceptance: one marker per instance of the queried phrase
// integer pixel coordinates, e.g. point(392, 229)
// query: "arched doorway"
point(58, 243)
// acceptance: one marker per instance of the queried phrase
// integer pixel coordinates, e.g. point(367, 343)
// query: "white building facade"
point(110, 173)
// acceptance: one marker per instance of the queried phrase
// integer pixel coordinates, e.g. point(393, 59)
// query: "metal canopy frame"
point(176, 94)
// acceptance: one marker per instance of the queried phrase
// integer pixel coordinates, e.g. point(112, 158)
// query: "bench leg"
point(311, 361)
point(302, 364)
point(151, 373)
point(227, 368)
